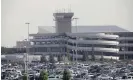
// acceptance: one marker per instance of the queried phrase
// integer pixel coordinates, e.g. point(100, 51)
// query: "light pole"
point(27, 50)
point(76, 36)
point(28, 29)
point(75, 23)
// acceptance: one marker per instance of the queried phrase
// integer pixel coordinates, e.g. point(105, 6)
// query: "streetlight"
point(75, 22)
point(27, 50)
point(76, 36)
point(28, 29)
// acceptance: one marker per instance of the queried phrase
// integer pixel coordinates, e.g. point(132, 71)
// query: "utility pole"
point(27, 50)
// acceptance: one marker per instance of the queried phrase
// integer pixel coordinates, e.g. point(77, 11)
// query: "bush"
point(25, 77)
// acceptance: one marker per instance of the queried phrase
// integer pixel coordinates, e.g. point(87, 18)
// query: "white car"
point(104, 77)
point(54, 77)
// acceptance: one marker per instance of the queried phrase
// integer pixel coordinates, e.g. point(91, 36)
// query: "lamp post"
point(27, 50)
point(76, 36)
point(75, 23)
point(28, 29)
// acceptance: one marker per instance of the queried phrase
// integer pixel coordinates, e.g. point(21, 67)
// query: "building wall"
point(125, 45)
point(20, 57)
point(91, 43)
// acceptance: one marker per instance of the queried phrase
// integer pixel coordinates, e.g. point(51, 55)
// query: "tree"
point(93, 57)
point(92, 54)
point(102, 59)
point(60, 58)
point(66, 75)
point(25, 77)
point(68, 57)
point(51, 59)
point(43, 59)
point(85, 57)
point(43, 75)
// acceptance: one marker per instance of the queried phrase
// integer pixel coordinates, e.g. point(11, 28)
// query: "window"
point(130, 48)
point(49, 42)
point(122, 49)
point(31, 37)
point(43, 42)
point(31, 43)
point(130, 41)
point(37, 43)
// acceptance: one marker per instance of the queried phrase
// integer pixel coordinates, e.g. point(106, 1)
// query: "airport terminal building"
point(106, 41)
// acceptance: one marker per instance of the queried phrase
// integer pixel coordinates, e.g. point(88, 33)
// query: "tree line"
point(44, 75)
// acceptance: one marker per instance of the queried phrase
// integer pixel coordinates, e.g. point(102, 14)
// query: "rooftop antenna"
point(70, 8)
point(62, 10)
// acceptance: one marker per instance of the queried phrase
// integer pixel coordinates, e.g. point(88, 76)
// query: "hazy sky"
point(40, 13)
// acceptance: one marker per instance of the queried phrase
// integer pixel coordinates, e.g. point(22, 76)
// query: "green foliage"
point(43, 75)
point(23, 71)
point(85, 57)
point(43, 59)
point(66, 75)
point(101, 59)
point(60, 58)
point(92, 54)
point(25, 77)
point(93, 57)
point(51, 59)
point(68, 57)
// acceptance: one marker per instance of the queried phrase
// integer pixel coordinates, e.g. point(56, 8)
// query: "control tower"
point(63, 22)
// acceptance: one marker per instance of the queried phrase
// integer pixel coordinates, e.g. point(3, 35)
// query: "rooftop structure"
point(88, 29)
point(63, 22)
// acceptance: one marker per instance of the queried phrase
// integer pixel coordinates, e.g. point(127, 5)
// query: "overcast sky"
point(40, 13)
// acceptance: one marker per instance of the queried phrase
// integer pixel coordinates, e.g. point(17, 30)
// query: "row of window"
point(73, 44)
point(74, 38)
point(46, 49)
point(126, 48)
point(63, 49)
point(126, 41)
point(125, 34)
point(49, 37)
point(127, 56)
point(99, 39)
point(48, 42)
point(95, 45)
point(90, 52)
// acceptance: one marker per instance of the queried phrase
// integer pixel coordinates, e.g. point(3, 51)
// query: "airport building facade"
point(125, 45)
point(109, 44)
